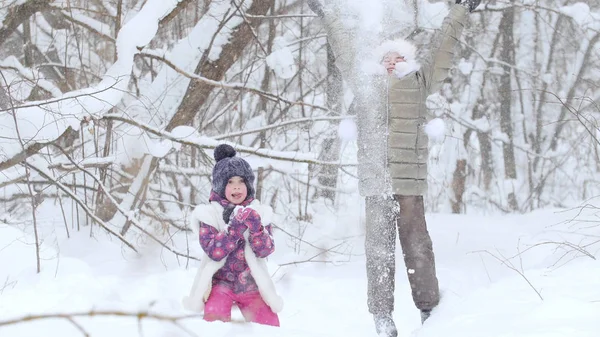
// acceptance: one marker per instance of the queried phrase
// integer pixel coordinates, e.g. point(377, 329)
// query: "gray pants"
point(407, 215)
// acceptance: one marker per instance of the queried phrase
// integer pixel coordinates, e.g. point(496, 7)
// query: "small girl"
point(236, 235)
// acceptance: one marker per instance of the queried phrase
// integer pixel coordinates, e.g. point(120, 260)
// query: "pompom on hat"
point(228, 165)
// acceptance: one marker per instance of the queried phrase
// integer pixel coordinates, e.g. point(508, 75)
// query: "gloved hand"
point(471, 4)
point(250, 218)
point(237, 227)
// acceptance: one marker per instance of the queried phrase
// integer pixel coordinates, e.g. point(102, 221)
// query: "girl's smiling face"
point(236, 190)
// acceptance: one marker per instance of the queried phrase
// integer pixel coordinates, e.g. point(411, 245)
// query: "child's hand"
point(251, 218)
point(237, 227)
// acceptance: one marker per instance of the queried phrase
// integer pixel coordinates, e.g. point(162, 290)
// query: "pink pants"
point(253, 307)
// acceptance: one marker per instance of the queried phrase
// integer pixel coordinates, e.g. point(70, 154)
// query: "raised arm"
point(341, 38)
point(443, 52)
point(348, 40)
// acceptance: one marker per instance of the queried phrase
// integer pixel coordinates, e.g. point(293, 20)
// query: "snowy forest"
point(110, 111)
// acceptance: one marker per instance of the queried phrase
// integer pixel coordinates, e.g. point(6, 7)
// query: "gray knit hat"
point(228, 166)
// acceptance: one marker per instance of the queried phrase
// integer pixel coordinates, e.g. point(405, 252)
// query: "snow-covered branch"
point(281, 16)
point(30, 149)
point(279, 125)
point(92, 162)
point(94, 26)
point(188, 136)
point(12, 63)
point(55, 101)
point(43, 125)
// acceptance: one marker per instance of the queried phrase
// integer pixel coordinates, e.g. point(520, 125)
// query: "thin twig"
point(97, 313)
point(125, 213)
point(312, 258)
point(510, 266)
point(81, 204)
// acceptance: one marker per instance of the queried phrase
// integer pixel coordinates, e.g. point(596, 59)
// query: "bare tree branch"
point(509, 264)
point(81, 204)
point(33, 148)
point(131, 219)
point(175, 320)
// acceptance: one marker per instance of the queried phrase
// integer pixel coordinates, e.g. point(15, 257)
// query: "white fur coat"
point(212, 214)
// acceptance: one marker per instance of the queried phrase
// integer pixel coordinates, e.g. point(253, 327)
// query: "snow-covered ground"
point(518, 275)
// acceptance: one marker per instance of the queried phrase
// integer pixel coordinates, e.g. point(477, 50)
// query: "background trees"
point(110, 109)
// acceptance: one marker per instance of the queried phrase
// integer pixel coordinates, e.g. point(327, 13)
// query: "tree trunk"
point(485, 147)
point(330, 150)
point(507, 55)
point(458, 185)
point(265, 86)
point(198, 92)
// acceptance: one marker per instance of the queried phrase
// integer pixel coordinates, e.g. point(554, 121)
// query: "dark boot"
point(384, 325)
point(425, 315)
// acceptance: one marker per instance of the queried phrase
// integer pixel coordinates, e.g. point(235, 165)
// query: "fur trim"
point(202, 286)
point(403, 47)
point(206, 213)
point(404, 68)
point(261, 276)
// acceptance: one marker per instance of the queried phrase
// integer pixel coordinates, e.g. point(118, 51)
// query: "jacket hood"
point(401, 46)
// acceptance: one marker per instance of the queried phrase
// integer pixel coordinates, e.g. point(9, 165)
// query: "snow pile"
point(492, 272)
point(281, 59)
point(580, 12)
point(436, 130)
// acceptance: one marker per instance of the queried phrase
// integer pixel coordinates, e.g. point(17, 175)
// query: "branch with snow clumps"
point(43, 125)
point(187, 135)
